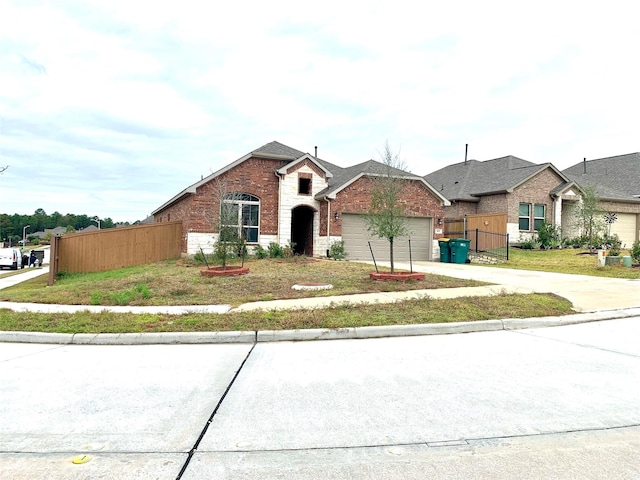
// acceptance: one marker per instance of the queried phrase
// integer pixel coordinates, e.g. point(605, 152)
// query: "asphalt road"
point(556, 403)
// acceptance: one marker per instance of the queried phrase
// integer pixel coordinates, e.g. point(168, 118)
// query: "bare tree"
point(387, 216)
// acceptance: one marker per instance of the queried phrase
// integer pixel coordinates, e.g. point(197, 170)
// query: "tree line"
point(11, 226)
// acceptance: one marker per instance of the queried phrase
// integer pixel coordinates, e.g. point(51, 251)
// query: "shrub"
point(635, 251)
point(548, 236)
point(260, 252)
point(275, 250)
point(613, 244)
point(289, 250)
point(336, 250)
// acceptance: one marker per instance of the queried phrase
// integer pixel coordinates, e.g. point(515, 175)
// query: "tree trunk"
point(391, 253)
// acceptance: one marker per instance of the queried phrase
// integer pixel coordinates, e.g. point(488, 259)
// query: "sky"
point(110, 108)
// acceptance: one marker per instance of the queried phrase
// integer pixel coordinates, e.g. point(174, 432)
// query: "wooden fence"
point(109, 249)
point(487, 232)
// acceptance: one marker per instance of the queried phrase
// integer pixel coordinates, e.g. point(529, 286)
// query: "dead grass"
point(175, 283)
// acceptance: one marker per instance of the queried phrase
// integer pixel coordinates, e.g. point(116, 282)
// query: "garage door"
point(625, 227)
point(356, 237)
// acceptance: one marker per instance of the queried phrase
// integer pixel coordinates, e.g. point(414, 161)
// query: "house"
point(528, 193)
point(284, 195)
point(617, 183)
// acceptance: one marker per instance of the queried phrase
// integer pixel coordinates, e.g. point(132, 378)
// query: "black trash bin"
point(459, 250)
point(445, 250)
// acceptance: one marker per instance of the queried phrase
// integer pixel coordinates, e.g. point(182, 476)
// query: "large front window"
point(524, 220)
point(240, 215)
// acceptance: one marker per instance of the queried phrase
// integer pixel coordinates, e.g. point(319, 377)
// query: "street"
point(556, 402)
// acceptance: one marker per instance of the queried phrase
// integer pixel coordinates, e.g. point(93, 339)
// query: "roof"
point(614, 178)
point(338, 178)
point(467, 181)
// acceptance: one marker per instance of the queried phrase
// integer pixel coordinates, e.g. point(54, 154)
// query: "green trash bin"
point(459, 250)
point(445, 251)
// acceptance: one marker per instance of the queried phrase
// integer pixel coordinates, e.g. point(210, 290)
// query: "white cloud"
point(120, 105)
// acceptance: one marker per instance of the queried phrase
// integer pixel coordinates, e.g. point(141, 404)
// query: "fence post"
point(53, 260)
point(507, 247)
point(476, 240)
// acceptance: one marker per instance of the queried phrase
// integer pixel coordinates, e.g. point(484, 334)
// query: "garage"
point(625, 227)
point(356, 237)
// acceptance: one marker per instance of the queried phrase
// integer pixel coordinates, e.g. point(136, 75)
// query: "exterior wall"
point(356, 198)
point(494, 204)
point(460, 209)
point(199, 212)
point(290, 199)
point(535, 191)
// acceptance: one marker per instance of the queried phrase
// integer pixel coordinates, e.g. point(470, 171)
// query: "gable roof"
point(346, 176)
point(614, 178)
point(467, 181)
point(338, 178)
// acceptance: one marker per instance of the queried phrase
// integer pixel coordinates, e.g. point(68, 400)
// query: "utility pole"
point(2, 169)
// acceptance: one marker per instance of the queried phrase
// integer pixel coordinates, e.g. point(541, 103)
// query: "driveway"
point(587, 293)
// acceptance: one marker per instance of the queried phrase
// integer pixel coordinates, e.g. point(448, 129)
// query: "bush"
point(275, 250)
point(336, 250)
point(635, 251)
point(613, 244)
point(548, 236)
point(260, 252)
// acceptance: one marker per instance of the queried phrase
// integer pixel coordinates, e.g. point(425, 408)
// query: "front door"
point(302, 230)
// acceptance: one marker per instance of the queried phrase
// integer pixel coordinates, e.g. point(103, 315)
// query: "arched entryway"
point(302, 230)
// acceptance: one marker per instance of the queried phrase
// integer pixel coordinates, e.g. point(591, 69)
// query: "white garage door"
point(625, 227)
point(356, 237)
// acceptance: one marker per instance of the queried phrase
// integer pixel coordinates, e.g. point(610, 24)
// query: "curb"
point(268, 336)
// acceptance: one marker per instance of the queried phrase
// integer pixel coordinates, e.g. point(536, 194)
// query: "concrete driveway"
point(587, 293)
point(540, 403)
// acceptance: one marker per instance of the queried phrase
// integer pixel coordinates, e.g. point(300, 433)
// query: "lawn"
point(177, 283)
point(567, 260)
point(180, 283)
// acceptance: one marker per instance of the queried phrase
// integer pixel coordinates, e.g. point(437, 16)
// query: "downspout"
point(279, 204)
point(328, 224)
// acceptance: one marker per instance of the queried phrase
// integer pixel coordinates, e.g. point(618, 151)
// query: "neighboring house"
point(617, 183)
point(288, 196)
point(47, 231)
point(528, 193)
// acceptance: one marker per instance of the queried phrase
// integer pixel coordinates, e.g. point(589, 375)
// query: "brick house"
point(617, 183)
point(287, 196)
point(528, 193)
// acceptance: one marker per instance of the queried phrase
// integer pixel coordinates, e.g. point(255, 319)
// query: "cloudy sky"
point(110, 108)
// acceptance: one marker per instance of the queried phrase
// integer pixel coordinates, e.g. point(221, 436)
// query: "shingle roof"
point(277, 148)
point(614, 178)
point(472, 179)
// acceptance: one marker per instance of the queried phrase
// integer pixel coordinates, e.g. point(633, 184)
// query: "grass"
point(420, 311)
point(178, 283)
point(171, 283)
point(566, 260)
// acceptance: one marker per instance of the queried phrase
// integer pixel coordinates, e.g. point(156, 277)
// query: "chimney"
point(466, 150)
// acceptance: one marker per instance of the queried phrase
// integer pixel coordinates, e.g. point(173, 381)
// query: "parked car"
point(11, 258)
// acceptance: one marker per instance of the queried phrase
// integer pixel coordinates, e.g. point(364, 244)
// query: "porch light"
point(336, 216)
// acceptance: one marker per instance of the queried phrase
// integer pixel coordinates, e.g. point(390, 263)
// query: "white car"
point(10, 257)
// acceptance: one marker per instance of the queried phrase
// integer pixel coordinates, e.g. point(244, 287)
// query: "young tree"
point(589, 217)
point(230, 242)
point(387, 216)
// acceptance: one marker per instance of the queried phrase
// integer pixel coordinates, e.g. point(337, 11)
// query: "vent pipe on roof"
point(316, 154)
point(466, 150)
point(584, 165)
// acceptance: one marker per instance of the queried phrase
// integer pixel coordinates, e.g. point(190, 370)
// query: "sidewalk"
point(595, 298)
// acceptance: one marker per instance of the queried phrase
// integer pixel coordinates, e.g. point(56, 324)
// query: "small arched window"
point(240, 215)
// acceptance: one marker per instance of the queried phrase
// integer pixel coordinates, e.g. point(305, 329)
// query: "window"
point(304, 184)
point(538, 216)
point(240, 215)
point(524, 220)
